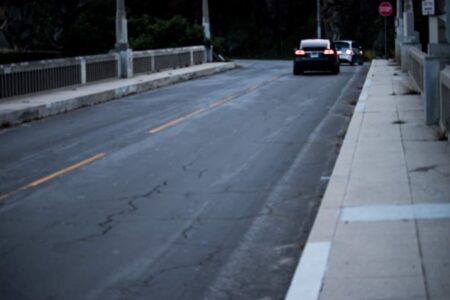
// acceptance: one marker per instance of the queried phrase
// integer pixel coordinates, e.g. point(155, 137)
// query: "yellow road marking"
point(53, 176)
point(197, 112)
point(221, 101)
point(168, 124)
point(211, 106)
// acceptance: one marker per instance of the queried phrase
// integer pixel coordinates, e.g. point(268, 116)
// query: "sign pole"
point(385, 10)
point(385, 38)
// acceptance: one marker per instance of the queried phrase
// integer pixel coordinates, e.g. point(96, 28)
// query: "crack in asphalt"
point(201, 172)
point(187, 166)
point(109, 222)
point(423, 169)
point(185, 232)
point(209, 258)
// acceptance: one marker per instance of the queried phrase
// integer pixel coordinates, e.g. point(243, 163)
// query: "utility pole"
point(207, 30)
point(121, 47)
point(319, 30)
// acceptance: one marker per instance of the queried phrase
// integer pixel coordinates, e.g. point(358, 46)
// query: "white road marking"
point(376, 213)
point(310, 272)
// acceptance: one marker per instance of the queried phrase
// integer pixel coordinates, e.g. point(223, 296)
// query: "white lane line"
point(376, 213)
point(310, 272)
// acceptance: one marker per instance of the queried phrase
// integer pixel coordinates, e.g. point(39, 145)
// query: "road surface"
point(202, 190)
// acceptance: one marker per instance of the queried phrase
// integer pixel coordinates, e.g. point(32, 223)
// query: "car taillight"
point(349, 52)
point(328, 52)
point(300, 52)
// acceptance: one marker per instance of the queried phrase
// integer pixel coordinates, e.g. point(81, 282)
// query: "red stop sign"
point(385, 9)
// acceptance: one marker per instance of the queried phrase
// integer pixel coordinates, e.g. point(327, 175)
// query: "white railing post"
point(83, 73)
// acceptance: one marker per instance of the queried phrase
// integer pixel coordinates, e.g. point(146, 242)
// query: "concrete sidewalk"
point(26, 108)
point(383, 228)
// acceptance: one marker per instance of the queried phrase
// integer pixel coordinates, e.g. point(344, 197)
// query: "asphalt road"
point(203, 190)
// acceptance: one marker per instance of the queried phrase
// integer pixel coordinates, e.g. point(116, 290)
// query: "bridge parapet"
point(428, 79)
point(445, 100)
point(31, 77)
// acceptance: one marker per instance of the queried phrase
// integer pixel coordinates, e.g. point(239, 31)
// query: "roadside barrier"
point(31, 77)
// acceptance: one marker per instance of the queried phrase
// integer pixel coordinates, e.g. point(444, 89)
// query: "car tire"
point(298, 71)
point(336, 70)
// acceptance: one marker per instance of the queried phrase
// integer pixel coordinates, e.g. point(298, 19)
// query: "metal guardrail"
point(163, 59)
point(444, 85)
point(31, 77)
point(100, 67)
point(415, 61)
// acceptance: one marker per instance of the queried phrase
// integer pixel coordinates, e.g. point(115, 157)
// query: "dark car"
point(316, 55)
point(349, 52)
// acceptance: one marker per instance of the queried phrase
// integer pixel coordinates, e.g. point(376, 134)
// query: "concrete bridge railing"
point(31, 77)
point(445, 100)
point(431, 82)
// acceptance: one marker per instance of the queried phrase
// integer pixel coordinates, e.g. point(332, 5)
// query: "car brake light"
point(328, 52)
point(349, 52)
point(300, 52)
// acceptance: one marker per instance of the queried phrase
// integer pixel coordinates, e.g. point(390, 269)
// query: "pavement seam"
point(416, 221)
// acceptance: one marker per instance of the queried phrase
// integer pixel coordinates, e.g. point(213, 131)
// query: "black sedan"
point(316, 55)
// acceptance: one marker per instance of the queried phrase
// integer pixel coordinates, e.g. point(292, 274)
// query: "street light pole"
point(207, 30)
point(319, 30)
point(125, 53)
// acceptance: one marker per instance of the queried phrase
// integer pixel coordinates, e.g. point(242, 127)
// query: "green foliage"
point(250, 28)
point(93, 32)
point(152, 33)
point(8, 57)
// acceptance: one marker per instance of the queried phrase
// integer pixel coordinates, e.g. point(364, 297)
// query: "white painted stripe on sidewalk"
point(368, 83)
point(363, 97)
point(310, 272)
point(375, 213)
point(360, 107)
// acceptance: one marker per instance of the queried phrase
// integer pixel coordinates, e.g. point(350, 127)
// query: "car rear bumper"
point(316, 64)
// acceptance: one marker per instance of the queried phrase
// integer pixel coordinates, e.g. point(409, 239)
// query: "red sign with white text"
point(385, 9)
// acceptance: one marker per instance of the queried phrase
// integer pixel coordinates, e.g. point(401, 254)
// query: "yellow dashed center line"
point(167, 125)
point(53, 176)
point(211, 106)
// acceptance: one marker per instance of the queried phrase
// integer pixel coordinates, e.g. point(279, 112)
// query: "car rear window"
point(314, 45)
point(341, 45)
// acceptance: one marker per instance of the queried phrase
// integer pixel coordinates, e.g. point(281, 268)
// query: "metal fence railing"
point(31, 77)
point(428, 79)
point(415, 61)
point(163, 59)
point(100, 67)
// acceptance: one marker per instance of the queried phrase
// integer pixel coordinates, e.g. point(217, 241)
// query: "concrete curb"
point(34, 111)
point(309, 274)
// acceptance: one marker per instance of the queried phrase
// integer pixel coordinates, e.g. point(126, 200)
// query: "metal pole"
point(319, 31)
point(125, 54)
point(385, 38)
point(207, 30)
point(121, 25)
point(205, 21)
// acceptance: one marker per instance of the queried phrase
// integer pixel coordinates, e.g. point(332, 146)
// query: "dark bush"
point(151, 33)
